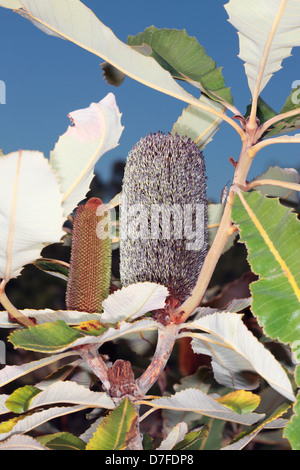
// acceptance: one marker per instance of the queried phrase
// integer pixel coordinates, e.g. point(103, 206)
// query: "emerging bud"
point(90, 266)
point(163, 232)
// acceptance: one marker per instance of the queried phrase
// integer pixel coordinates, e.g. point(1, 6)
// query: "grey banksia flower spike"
point(163, 221)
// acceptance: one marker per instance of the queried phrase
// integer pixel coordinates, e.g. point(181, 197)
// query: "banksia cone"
point(164, 192)
point(90, 265)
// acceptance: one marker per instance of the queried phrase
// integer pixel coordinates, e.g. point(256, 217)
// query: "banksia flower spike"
point(90, 265)
point(163, 236)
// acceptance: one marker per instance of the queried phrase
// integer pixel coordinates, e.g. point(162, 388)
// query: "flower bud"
point(90, 265)
point(163, 221)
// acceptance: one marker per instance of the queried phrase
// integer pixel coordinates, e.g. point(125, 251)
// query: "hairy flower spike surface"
point(163, 214)
point(90, 265)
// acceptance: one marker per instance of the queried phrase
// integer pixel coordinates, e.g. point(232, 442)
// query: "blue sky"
point(47, 77)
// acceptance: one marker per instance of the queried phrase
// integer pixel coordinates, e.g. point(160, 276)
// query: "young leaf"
point(94, 131)
point(271, 233)
point(267, 32)
point(234, 350)
point(30, 214)
point(116, 429)
point(130, 303)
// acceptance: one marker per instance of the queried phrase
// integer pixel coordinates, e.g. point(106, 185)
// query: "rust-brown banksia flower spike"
point(163, 214)
point(90, 265)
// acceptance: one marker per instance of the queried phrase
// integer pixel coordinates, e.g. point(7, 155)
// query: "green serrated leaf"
point(183, 57)
point(47, 338)
point(19, 400)
point(62, 441)
point(271, 233)
point(292, 123)
point(116, 429)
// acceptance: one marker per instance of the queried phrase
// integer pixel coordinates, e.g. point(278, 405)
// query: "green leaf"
point(54, 267)
point(292, 430)
point(264, 111)
point(115, 430)
point(193, 439)
point(271, 233)
point(240, 401)
point(49, 337)
point(184, 57)
point(19, 400)
point(62, 441)
point(284, 126)
point(292, 123)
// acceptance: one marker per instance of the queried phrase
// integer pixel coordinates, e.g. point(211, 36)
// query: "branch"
point(13, 312)
point(92, 357)
point(284, 139)
point(164, 347)
point(282, 184)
